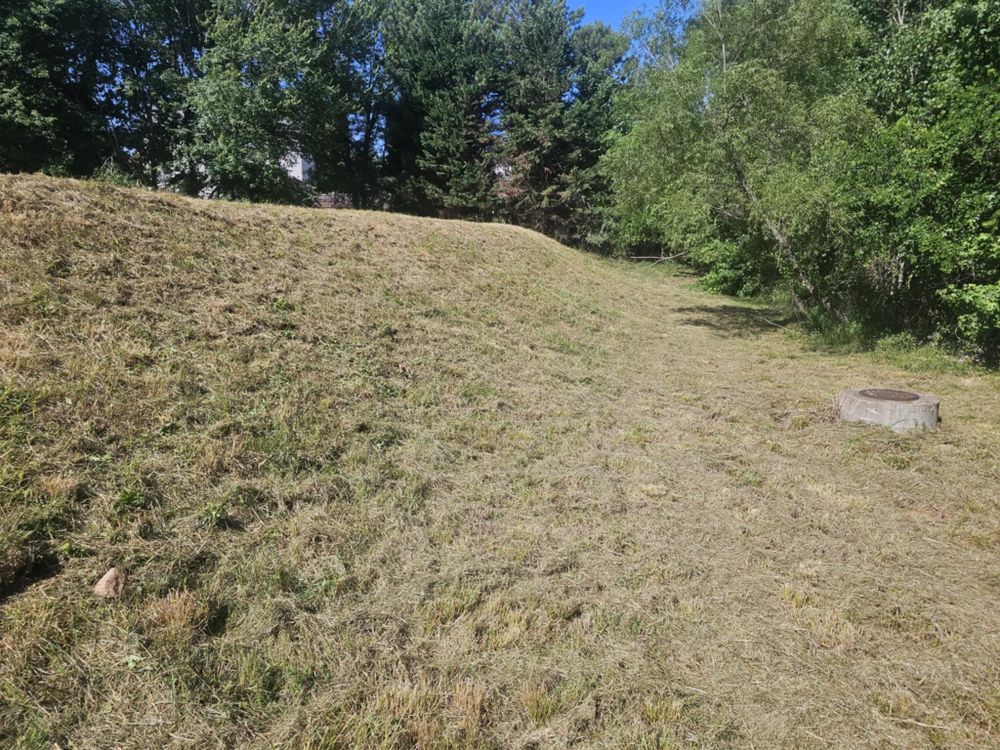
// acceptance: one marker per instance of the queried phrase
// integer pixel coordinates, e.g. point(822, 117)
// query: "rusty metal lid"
point(889, 394)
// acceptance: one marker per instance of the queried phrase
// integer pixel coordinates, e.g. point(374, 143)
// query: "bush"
point(850, 157)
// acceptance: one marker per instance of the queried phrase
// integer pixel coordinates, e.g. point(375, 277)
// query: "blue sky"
point(609, 11)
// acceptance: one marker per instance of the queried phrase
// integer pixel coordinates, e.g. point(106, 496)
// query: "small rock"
point(111, 585)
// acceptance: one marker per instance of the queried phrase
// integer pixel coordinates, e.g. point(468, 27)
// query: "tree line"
point(845, 154)
point(461, 108)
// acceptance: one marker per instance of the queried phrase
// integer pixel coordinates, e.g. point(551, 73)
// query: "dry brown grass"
point(387, 482)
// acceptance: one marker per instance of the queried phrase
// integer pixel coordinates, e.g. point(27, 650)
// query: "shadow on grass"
point(42, 567)
point(733, 320)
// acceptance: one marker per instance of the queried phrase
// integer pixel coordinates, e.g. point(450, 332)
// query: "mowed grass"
point(380, 481)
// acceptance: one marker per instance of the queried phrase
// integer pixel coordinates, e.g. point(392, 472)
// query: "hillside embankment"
point(381, 481)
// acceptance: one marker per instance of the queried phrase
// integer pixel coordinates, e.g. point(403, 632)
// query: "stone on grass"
point(902, 411)
point(111, 585)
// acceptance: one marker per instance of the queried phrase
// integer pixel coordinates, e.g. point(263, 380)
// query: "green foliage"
point(929, 178)
point(441, 55)
point(729, 155)
point(978, 313)
point(54, 57)
point(161, 44)
point(343, 93)
point(559, 83)
point(484, 109)
point(249, 101)
point(112, 174)
point(845, 151)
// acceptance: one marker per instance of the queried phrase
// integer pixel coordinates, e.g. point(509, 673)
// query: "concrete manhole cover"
point(889, 394)
point(903, 411)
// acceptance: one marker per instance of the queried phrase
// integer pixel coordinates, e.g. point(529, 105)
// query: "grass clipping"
point(378, 481)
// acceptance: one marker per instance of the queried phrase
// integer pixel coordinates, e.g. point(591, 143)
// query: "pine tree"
point(57, 61)
point(558, 87)
point(442, 59)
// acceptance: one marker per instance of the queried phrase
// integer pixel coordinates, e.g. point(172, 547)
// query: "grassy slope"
point(383, 481)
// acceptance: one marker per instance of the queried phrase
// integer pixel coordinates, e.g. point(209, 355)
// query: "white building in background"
point(299, 166)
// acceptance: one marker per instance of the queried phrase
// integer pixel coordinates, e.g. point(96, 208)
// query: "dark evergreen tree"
point(537, 38)
point(559, 83)
point(442, 58)
point(58, 60)
point(600, 73)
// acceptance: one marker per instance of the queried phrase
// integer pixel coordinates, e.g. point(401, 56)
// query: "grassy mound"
point(392, 482)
